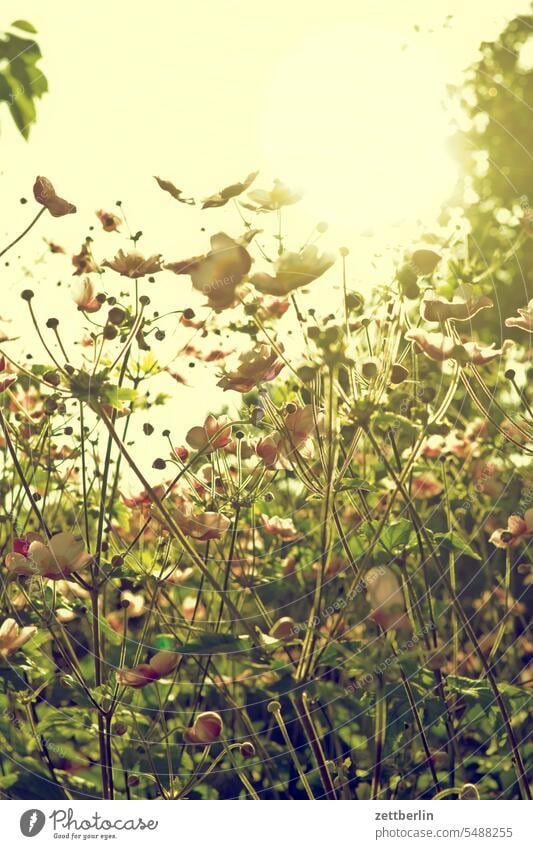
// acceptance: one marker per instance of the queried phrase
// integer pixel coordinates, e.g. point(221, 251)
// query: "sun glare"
point(357, 118)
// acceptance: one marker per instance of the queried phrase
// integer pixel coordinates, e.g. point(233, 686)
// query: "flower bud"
point(398, 373)
point(206, 729)
point(257, 414)
point(407, 280)
point(354, 301)
point(306, 374)
point(469, 792)
point(116, 315)
point(425, 261)
point(110, 332)
point(52, 377)
point(247, 749)
point(283, 629)
point(370, 368)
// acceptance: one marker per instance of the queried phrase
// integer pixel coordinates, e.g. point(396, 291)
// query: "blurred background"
point(393, 120)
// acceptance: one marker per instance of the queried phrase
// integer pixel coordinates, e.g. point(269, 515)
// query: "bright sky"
point(335, 93)
point(342, 98)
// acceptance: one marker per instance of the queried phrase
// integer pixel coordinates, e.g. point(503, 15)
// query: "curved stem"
point(27, 230)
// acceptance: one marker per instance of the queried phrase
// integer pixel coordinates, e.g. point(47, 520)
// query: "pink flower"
point(463, 447)
point(13, 637)
point(464, 306)
point(217, 273)
point(263, 201)
point(260, 365)
point(55, 559)
point(300, 424)
point(433, 446)
point(436, 346)
point(524, 320)
point(426, 485)
point(206, 729)
point(293, 270)
point(221, 197)
point(209, 525)
point(517, 528)
point(191, 608)
point(487, 477)
point(202, 525)
point(44, 193)
point(269, 450)
point(277, 449)
point(84, 262)
point(272, 308)
point(142, 501)
point(478, 356)
point(162, 664)
point(133, 265)
point(54, 247)
point(6, 379)
point(476, 428)
point(213, 434)
point(283, 529)
point(84, 297)
point(109, 220)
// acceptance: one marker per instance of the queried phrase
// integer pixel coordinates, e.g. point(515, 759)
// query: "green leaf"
point(356, 484)
point(397, 535)
point(25, 25)
point(6, 781)
point(165, 642)
point(33, 82)
point(115, 395)
point(21, 80)
point(336, 654)
point(386, 421)
point(455, 542)
point(23, 113)
point(479, 692)
point(212, 643)
point(6, 91)
point(109, 632)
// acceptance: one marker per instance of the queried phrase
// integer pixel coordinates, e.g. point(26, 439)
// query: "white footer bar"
point(252, 826)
